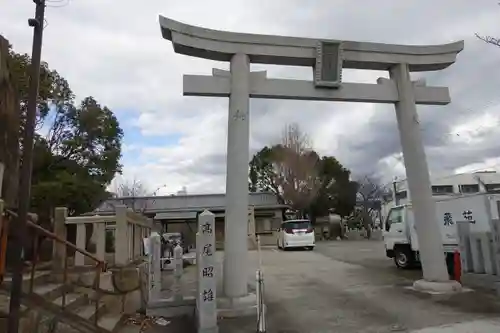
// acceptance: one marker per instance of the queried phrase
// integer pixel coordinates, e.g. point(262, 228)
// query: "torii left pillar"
point(235, 276)
point(235, 280)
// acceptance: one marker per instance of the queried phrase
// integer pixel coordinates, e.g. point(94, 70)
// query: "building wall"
point(266, 223)
point(191, 202)
point(450, 186)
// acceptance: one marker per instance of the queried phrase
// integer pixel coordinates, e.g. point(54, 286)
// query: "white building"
point(447, 186)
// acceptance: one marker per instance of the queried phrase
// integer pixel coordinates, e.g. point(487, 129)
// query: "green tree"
point(337, 193)
point(77, 152)
point(54, 89)
point(77, 159)
point(262, 175)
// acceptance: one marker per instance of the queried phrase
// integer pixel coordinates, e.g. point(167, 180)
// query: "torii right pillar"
point(419, 185)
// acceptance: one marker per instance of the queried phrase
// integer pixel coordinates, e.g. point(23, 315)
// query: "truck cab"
point(400, 236)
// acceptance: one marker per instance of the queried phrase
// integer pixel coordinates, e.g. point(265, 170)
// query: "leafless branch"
point(132, 193)
point(296, 168)
point(371, 192)
point(489, 39)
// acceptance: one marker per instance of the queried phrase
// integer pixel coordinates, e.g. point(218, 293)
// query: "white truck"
point(400, 237)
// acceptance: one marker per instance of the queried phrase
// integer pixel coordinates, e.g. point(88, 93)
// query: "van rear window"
point(295, 225)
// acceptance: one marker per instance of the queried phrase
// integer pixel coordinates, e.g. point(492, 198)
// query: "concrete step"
point(86, 311)
point(73, 301)
point(89, 311)
point(40, 278)
point(49, 291)
point(111, 322)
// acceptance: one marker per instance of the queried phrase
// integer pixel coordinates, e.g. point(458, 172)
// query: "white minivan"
point(296, 234)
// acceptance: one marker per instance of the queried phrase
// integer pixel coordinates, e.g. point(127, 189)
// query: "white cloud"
point(113, 50)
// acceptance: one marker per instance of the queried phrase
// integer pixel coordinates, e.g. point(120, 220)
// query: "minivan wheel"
point(403, 258)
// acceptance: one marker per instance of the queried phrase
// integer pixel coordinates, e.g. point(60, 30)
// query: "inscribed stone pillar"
point(206, 263)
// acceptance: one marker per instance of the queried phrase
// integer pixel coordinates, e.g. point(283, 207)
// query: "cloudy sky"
point(113, 50)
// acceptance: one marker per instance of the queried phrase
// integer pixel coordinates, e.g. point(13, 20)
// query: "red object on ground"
point(457, 264)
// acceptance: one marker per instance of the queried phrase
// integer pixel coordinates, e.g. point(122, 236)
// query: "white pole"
point(235, 278)
point(261, 306)
point(178, 271)
point(418, 179)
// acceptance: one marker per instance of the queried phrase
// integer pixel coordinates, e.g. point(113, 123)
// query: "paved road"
point(349, 287)
point(368, 254)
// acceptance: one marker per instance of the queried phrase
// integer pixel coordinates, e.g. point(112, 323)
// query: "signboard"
point(205, 247)
point(328, 67)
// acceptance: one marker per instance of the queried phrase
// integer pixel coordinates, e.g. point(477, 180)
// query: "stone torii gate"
point(326, 58)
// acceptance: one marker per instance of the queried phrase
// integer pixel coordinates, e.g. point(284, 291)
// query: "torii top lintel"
point(296, 51)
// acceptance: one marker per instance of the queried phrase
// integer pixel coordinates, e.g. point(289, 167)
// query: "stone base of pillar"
point(237, 307)
point(448, 287)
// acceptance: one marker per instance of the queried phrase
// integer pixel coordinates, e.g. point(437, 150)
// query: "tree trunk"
point(9, 130)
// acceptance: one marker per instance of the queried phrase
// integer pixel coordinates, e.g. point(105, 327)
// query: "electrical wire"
point(57, 3)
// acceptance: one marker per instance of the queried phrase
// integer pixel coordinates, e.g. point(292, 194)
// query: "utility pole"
point(25, 175)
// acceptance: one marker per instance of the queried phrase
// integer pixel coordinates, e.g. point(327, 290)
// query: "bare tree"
point(371, 194)
point(489, 39)
point(129, 188)
point(296, 168)
point(132, 193)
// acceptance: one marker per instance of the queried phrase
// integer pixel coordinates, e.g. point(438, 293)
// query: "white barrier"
point(178, 271)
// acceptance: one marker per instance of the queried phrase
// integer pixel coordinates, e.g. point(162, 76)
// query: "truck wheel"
point(403, 258)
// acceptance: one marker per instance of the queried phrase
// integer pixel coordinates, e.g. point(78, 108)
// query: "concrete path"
point(347, 287)
point(312, 292)
point(478, 326)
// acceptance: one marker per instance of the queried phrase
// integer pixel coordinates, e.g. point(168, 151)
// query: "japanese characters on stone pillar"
point(154, 267)
point(206, 303)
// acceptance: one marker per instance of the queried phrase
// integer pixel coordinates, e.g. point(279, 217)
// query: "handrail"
point(99, 266)
point(58, 239)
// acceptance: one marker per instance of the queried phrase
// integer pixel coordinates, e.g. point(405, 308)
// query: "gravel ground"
point(344, 287)
point(351, 287)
